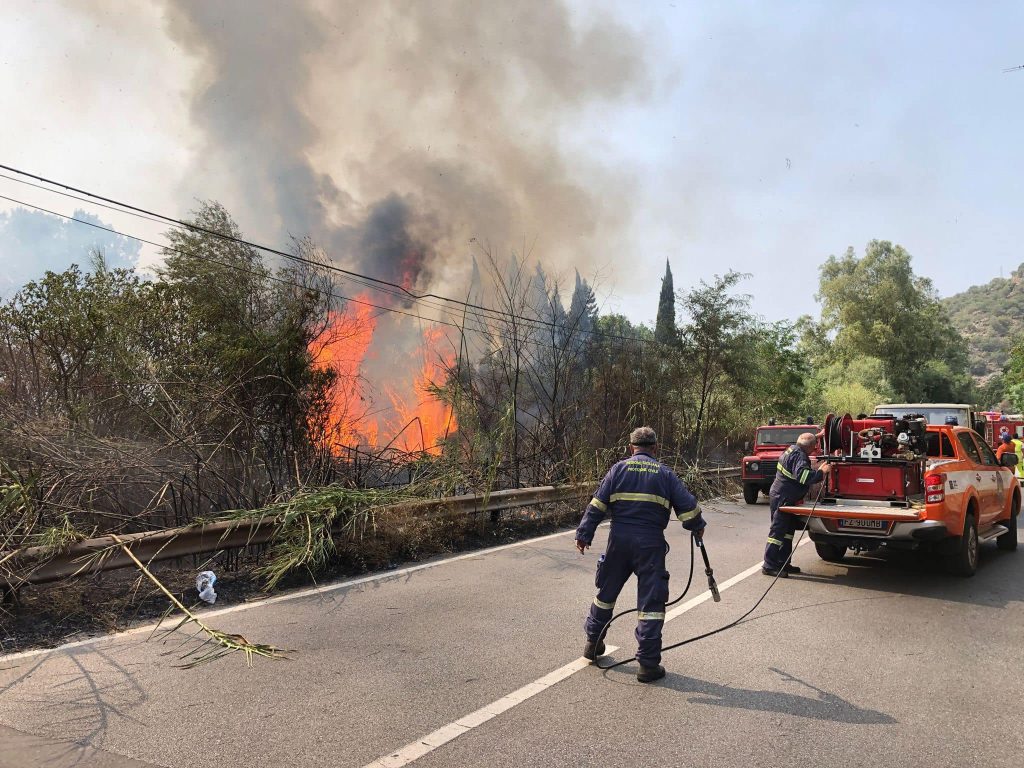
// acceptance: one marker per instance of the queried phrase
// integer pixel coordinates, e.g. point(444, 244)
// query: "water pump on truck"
point(876, 457)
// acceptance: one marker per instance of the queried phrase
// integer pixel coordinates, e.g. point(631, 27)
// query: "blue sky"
point(762, 138)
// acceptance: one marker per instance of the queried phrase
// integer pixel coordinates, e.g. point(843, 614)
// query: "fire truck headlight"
point(753, 466)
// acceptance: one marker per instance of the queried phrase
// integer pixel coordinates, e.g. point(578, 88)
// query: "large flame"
point(424, 420)
point(409, 417)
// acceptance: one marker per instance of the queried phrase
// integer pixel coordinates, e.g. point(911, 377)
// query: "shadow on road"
point(822, 706)
point(998, 582)
point(88, 689)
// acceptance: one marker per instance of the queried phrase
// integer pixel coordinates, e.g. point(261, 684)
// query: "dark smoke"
point(386, 247)
point(394, 132)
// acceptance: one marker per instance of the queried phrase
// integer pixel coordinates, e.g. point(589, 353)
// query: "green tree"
point(1012, 380)
point(875, 306)
point(713, 344)
point(665, 324)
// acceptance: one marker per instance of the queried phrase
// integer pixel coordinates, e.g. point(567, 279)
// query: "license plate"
point(871, 525)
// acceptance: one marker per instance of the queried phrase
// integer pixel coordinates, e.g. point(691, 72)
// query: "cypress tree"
point(665, 324)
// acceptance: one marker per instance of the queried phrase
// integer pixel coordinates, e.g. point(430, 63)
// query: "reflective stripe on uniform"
point(774, 541)
point(641, 497)
point(785, 472)
point(804, 475)
point(684, 516)
point(602, 604)
point(650, 615)
point(789, 536)
point(597, 503)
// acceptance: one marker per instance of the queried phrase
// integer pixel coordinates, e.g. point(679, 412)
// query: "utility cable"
point(269, 276)
point(731, 624)
point(153, 215)
point(532, 323)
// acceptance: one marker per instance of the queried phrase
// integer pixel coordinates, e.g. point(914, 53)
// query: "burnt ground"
point(48, 615)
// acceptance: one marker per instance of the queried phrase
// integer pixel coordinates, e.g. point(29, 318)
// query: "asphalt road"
point(874, 662)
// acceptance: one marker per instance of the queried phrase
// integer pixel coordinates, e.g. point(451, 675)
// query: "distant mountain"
point(991, 318)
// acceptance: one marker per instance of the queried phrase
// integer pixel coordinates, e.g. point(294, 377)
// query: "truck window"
point(781, 435)
point(987, 455)
point(968, 445)
point(938, 445)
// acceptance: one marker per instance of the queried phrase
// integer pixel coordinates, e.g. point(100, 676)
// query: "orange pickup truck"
point(951, 497)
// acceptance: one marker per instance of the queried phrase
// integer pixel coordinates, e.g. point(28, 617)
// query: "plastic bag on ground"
point(204, 583)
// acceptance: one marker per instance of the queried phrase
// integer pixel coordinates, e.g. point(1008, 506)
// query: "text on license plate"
point(873, 525)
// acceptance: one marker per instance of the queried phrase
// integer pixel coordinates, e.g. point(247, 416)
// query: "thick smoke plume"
point(397, 133)
point(394, 132)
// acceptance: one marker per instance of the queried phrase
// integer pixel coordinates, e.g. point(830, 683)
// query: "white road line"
point(417, 749)
point(318, 590)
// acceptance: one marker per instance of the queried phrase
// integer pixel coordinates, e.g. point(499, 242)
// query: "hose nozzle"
point(712, 584)
point(714, 588)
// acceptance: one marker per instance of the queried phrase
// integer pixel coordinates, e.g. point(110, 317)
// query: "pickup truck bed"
point(969, 499)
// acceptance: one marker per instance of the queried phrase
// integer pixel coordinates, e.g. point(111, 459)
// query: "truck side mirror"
point(746, 447)
point(1008, 460)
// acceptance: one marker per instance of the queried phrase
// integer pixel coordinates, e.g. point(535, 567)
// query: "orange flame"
point(416, 419)
point(343, 347)
point(426, 421)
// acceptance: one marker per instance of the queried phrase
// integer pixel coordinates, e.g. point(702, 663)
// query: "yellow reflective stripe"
point(641, 497)
point(596, 502)
point(786, 472)
point(774, 541)
point(650, 616)
point(789, 536)
point(603, 604)
point(684, 516)
point(804, 475)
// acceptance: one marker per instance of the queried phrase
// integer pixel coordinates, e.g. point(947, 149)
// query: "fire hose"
point(698, 540)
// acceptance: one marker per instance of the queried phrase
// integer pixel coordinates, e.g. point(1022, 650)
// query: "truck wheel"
point(750, 493)
point(964, 561)
point(832, 553)
point(1008, 541)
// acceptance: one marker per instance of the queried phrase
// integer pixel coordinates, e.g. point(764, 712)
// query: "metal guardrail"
point(39, 565)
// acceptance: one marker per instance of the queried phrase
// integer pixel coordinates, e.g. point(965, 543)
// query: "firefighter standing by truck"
point(793, 478)
point(638, 493)
point(1010, 444)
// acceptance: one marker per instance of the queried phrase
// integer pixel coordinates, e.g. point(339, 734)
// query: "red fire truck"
point(770, 441)
point(997, 422)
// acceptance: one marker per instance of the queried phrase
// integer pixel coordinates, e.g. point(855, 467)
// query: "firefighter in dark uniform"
point(793, 478)
point(637, 493)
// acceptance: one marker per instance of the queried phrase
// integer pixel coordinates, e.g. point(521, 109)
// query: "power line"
point(210, 260)
point(376, 283)
point(128, 208)
point(280, 280)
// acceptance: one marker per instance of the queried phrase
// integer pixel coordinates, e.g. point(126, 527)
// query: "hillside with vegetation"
point(990, 317)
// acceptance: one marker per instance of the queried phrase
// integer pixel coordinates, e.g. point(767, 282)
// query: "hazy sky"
point(760, 137)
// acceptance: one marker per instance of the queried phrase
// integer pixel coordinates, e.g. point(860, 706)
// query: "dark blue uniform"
point(793, 477)
point(638, 493)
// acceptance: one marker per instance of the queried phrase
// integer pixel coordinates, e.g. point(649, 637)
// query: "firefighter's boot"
point(593, 650)
point(650, 674)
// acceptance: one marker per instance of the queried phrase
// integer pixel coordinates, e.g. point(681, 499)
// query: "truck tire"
point(832, 553)
point(1008, 541)
point(750, 493)
point(964, 560)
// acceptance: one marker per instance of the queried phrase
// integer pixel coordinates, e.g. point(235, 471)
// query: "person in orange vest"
point(1010, 444)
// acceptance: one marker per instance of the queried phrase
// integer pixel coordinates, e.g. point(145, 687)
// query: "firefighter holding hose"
point(793, 478)
point(638, 494)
